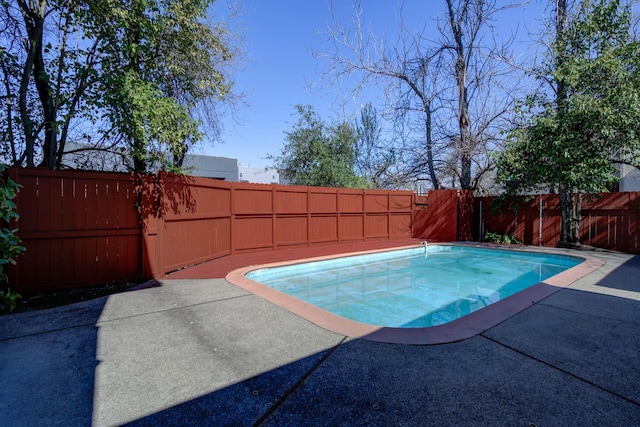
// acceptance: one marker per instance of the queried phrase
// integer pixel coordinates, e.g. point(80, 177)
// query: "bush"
point(8, 300)
point(10, 243)
point(505, 239)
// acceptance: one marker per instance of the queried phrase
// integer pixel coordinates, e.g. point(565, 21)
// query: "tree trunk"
point(9, 112)
point(432, 170)
point(561, 19)
point(465, 149)
point(465, 170)
point(133, 34)
point(33, 15)
point(45, 93)
point(139, 163)
point(570, 213)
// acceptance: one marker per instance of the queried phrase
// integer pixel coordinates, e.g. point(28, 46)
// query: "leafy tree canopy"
point(137, 77)
point(319, 155)
point(573, 140)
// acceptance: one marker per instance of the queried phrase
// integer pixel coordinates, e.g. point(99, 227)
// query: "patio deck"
point(204, 352)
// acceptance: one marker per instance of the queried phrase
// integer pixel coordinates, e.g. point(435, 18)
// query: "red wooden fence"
point(444, 215)
point(609, 221)
point(86, 228)
point(198, 219)
point(79, 228)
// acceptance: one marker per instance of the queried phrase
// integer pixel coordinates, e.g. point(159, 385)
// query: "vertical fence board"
point(377, 226)
point(351, 201)
point(376, 202)
point(351, 227)
point(323, 229)
point(291, 230)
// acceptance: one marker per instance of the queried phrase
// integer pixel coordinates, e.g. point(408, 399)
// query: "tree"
point(47, 75)
point(573, 138)
point(134, 76)
point(316, 154)
point(473, 66)
point(403, 70)
point(160, 60)
point(373, 157)
point(444, 94)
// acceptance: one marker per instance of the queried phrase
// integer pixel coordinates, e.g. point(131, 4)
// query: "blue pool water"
point(413, 288)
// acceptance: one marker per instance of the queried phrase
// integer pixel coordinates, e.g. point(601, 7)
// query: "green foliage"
point(10, 246)
point(137, 77)
point(573, 140)
point(8, 300)
point(373, 157)
point(161, 59)
point(319, 155)
point(504, 239)
point(154, 124)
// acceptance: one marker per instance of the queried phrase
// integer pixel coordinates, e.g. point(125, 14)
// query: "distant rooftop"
point(223, 168)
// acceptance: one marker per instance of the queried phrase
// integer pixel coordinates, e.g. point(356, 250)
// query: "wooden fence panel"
point(86, 228)
point(376, 226)
point(323, 229)
point(271, 217)
point(79, 229)
point(194, 221)
point(437, 219)
point(609, 221)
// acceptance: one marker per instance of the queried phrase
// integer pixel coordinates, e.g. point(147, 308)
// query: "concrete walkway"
point(204, 352)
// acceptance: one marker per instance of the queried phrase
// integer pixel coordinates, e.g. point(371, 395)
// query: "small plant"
point(10, 243)
point(504, 239)
point(8, 300)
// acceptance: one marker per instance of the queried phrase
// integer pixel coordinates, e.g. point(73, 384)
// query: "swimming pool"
point(413, 288)
point(500, 307)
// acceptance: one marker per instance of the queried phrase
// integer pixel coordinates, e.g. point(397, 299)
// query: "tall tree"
point(403, 69)
point(447, 93)
point(374, 158)
point(53, 71)
point(34, 13)
point(137, 74)
point(316, 154)
point(573, 138)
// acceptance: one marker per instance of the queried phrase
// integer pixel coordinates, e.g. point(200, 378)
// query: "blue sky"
point(279, 68)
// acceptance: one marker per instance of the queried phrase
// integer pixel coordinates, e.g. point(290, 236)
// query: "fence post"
point(540, 222)
point(480, 233)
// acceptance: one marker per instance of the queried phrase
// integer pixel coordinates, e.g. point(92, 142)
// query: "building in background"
point(629, 178)
point(222, 168)
point(259, 175)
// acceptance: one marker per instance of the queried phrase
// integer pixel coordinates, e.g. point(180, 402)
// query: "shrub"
point(8, 300)
point(10, 243)
point(505, 239)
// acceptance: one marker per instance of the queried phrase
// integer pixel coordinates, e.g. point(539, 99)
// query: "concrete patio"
point(187, 351)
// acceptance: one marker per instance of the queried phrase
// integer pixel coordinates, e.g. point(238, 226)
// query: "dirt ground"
point(68, 296)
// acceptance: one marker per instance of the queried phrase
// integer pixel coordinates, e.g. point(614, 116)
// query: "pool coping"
point(456, 330)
